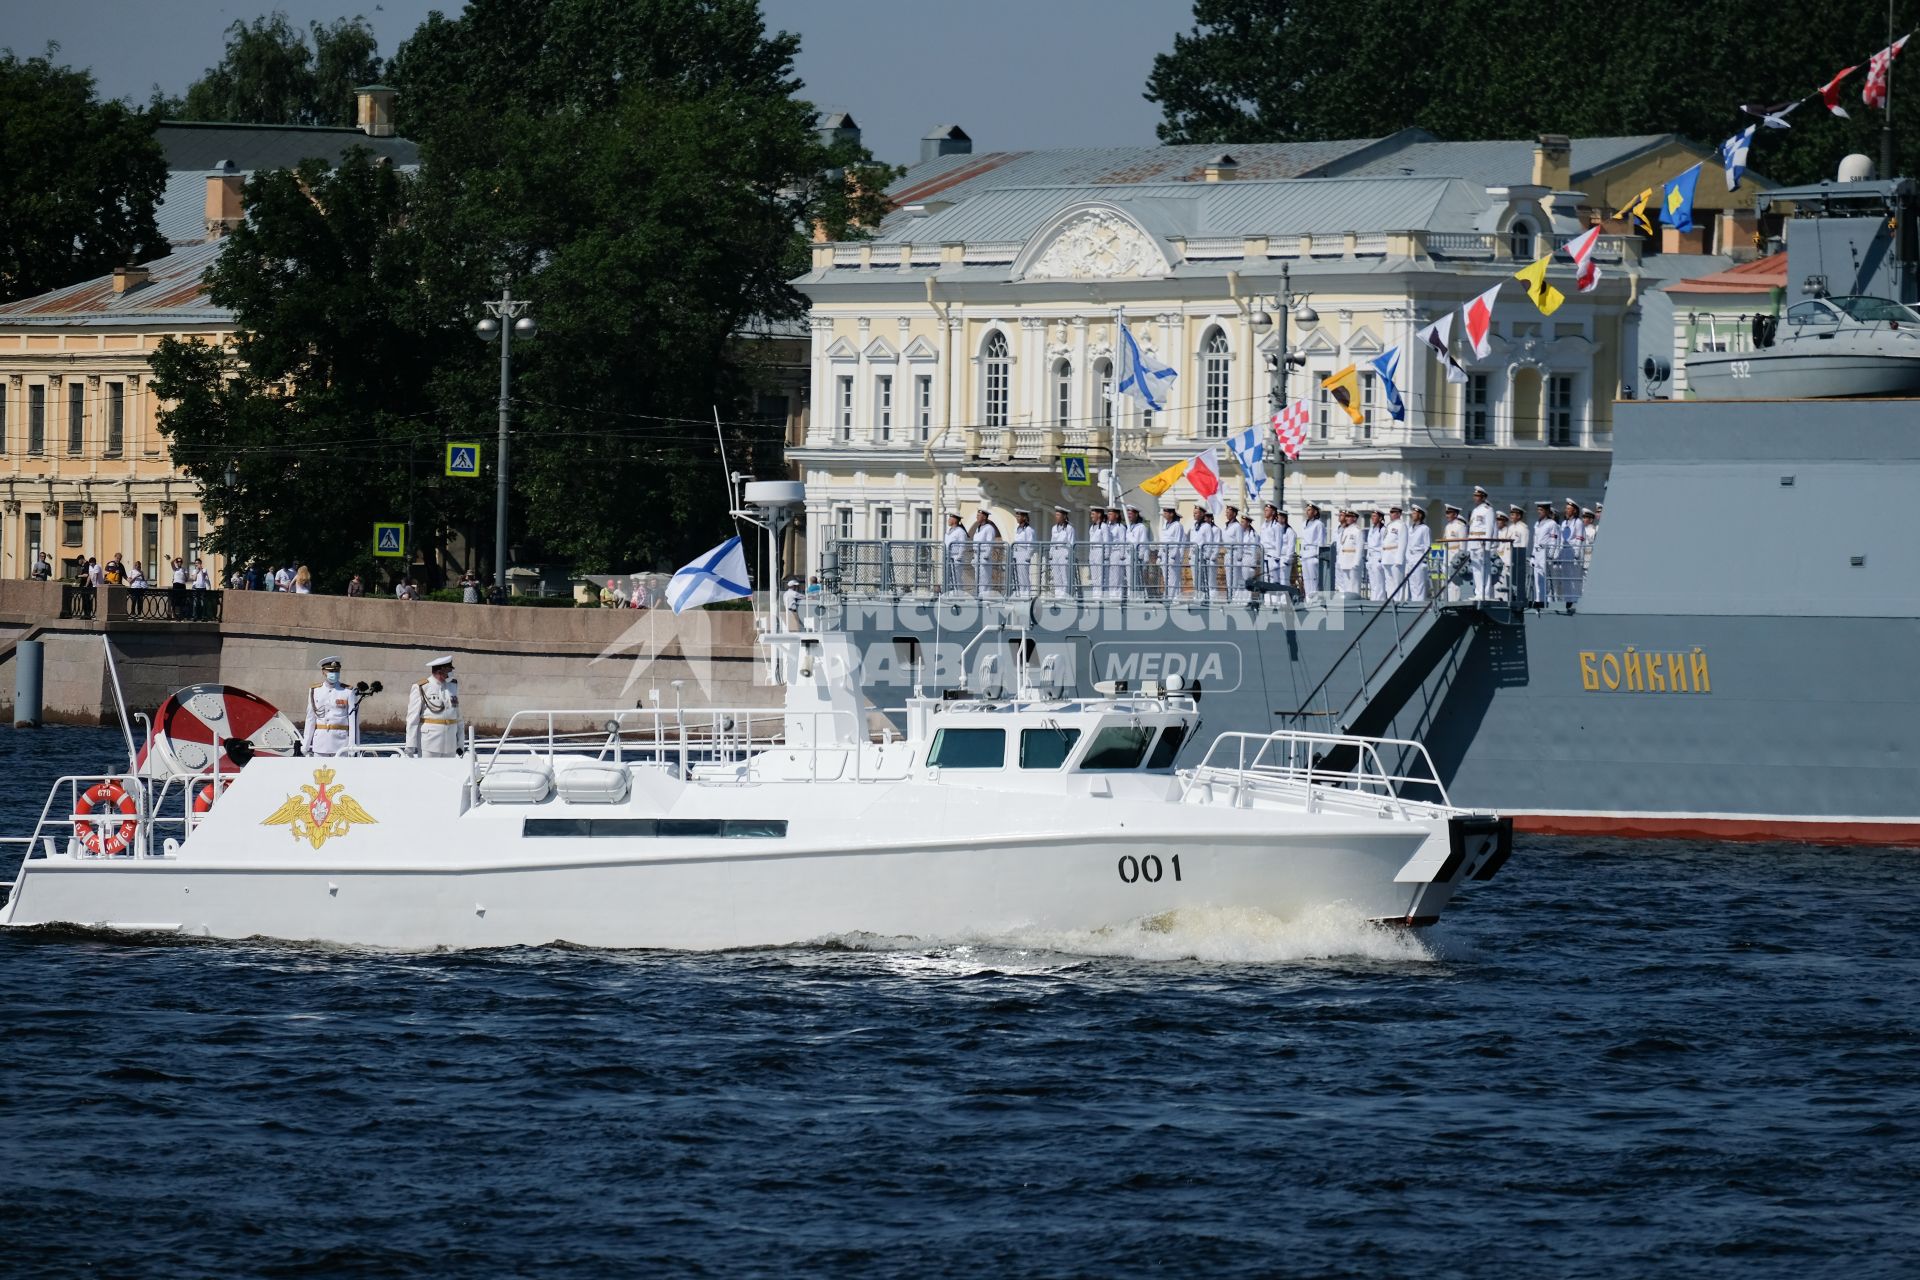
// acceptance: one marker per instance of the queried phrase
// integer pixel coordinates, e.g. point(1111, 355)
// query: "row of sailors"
point(1125, 556)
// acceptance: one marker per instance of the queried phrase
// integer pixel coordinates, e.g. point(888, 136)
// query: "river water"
point(1615, 1059)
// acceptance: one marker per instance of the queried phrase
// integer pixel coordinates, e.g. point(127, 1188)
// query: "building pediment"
point(921, 349)
point(842, 350)
point(881, 349)
point(1092, 242)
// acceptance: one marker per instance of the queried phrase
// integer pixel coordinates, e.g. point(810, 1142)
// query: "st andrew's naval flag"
point(1141, 376)
point(721, 574)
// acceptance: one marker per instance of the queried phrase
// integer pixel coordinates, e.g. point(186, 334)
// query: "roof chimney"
point(1553, 162)
point(373, 110)
point(225, 184)
point(945, 140)
point(130, 277)
point(1221, 168)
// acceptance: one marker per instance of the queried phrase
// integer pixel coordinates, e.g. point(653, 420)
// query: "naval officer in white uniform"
point(433, 711)
point(1023, 539)
point(1060, 542)
point(333, 714)
point(1546, 550)
point(1313, 546)
point(1419, 543)
point(1481, 550)
point(956, 546)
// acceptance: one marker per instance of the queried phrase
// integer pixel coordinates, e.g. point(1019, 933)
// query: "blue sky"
point(1016, 74)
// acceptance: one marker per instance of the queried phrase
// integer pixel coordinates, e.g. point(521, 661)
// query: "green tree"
point(82, 178)
point(1296, 70)
point(272, 73)
point(323, 416)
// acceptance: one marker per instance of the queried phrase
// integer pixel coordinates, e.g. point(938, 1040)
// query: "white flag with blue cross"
point(721, 574)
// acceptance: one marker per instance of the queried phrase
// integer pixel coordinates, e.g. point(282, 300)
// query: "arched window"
point(1520, 239)
point(1103, 393)
point(1063, 394)
point(998, 383)
point(1214, 382)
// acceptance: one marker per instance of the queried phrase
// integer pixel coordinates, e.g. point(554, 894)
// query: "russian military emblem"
point(320, 812)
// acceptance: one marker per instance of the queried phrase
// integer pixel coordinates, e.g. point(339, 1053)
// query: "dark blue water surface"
point(1616, 1059)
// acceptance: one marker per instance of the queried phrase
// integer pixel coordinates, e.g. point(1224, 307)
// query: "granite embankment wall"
point(508, 659)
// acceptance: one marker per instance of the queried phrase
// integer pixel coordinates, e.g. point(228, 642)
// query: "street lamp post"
point(1286, 304)
point(504, 318)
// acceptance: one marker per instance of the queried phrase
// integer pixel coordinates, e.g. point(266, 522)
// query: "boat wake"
point(1224, 935)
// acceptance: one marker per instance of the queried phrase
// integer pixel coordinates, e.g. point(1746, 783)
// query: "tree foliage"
point(82, 178)
point(272, 73)
point(643, 173)
point(1291, 70)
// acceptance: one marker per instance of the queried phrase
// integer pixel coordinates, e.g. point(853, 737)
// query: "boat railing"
point(163, 814)
point(1290, 761)
point(704, 744)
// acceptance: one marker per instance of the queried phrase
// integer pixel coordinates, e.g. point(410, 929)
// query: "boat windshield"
point(1873, 310)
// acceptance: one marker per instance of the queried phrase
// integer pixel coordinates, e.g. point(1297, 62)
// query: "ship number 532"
point(1148, 868)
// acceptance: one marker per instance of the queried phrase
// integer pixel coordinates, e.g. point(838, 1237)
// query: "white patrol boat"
point(999, 811)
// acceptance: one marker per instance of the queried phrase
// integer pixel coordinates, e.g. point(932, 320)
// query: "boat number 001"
point(1740, 368)
point(1148, 868)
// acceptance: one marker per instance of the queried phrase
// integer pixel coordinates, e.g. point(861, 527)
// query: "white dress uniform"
point(433, 716)
point(985, 552)
point(1313, 542)
point(1060, 542)
point(1173, 556)
point(1137, 537)
point(1350, 551)
point(1231, 544)
point(1573, 561)
point(1097, 552)
point(956, 547)
point(1023, 540)
point(1480, 552)
point(1516, 558)
point(1546, 552)
point(1270, 539)
point(1456, 536)
point(333, 720)
point(1419, 543)
point(1207, 542)
point(1393, 557)
point(1376, 562)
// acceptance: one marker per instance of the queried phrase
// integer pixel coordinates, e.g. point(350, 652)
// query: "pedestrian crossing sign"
point(389, 539)
point(1073, 468)
point(463, 459)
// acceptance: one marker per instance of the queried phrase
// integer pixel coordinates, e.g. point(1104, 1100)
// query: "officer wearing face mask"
point(333, 714)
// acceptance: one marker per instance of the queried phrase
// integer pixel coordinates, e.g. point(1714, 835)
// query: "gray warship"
point(1739, 666)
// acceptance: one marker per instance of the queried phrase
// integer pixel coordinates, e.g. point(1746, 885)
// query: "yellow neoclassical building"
point(968, 347)
point(84, 470)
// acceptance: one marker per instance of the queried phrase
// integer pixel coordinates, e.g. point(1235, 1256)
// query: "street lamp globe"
point(1262, 319)
point(524, 327)
point(488, 328)
point(1305, 314)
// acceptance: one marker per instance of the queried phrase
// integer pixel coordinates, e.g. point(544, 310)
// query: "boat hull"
point(1794, 375)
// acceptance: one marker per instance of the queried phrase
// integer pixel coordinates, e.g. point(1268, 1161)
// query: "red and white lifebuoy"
point(203, 799)
point(192, 726)
point(90, 823)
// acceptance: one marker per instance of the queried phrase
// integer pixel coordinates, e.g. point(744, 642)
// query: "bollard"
point(28, 663)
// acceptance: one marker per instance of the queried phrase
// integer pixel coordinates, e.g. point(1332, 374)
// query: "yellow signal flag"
point(1345, 389)
point(1165, 480)
point(1544, 295)
point(1636, 210)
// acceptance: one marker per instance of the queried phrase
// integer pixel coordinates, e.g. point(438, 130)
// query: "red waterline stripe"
point(1739, 829)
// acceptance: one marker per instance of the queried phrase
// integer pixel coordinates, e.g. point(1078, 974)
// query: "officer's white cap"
point(444, 660)
point(1516, 507)
point(1021, 511)
point(1477, 489)
point(1571, 503)
point(1135, 510)
point(1452, 508)
point(331, 660)
point(1544, 503)
point(1065, 511)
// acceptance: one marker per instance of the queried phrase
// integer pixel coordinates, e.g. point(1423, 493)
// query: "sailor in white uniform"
point(1096, 551)
point(1207, 542)
point(1313, 545)
point(1270, 528)
point(956, 546)
point(333, 714)
point(1454, 537)
point(1517, 548)
point(1023, 539)
point(1230, 548)
point(1419, 543)
point(986, 552)
point(1350, 548)
point(433, 711)
point(1393, 554)
point(1573, 555)
point(1546, 551)
point(1137, 538)
point(1173, 553)
point(1377, 557)
point(1480, 553)
point(1116, 579)
point(1060, 540)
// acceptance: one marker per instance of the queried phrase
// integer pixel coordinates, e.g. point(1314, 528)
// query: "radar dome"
point(1856, 168)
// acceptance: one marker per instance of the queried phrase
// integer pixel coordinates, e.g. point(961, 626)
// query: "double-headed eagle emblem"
point(321, 812)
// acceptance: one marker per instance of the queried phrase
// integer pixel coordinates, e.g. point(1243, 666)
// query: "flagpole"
point(1113, 442)
point(1886, 114)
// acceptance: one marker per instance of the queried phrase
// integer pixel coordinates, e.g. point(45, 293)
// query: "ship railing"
point(898, 569)
point(704, 744)
point(162, 816)
point(1290, 763)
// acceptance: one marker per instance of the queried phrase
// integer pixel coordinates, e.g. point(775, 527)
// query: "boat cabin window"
point(1805, 313)
point(1119, 746)
point(968, 749)
point(1171, 739)
point(1876, 310)
point(654, 828)
point(1046, 748)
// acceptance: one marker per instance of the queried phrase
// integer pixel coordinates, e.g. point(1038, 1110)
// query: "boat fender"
point(93, 834)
